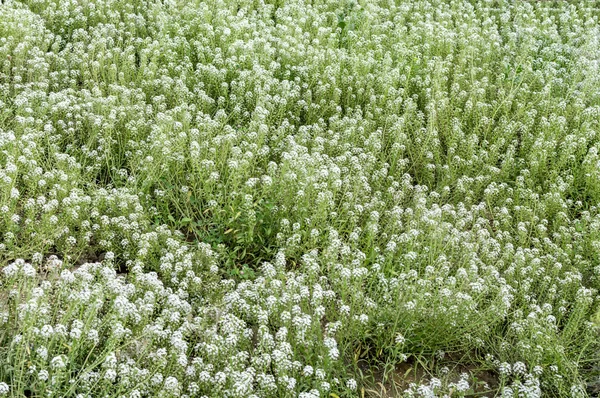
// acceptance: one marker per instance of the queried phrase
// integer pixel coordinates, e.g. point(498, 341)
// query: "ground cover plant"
point(304, 198)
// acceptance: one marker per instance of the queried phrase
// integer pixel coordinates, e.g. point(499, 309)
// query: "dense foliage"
point(252, 198)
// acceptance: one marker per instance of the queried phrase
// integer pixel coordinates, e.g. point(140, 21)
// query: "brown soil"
point(483, 382)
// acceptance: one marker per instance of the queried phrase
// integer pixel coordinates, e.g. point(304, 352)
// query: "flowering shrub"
point(259, 198)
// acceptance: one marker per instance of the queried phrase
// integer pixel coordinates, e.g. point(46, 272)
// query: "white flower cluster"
point(261, 198)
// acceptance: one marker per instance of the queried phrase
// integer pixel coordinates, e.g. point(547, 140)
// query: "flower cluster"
point(278, 199)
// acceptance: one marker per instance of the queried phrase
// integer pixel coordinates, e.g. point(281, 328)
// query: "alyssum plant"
point(252, 198)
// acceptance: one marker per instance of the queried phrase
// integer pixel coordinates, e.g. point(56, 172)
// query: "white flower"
point(110, 375)
point(29, 270)
point(171, 384)
point(43, 375)
point(462, 385)
point(505, 368)
point(156, 379)
point(320, 374)
point(351, 384)
point(519, 368)
point(10, 270)
point(307, 371)
point(42, 352)
point(399, 339)
point(46, 331)
point(135, 394)
point(58, 362)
